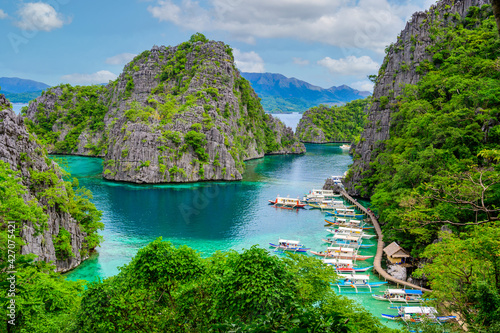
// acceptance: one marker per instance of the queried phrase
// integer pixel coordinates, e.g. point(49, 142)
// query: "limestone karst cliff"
point(65, 232)
point(405, 63)
point(175, 114)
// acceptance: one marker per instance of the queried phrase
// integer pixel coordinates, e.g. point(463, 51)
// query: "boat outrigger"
point(287, 202)
point(344, 212)
point(341, 253)
point(350, 232)
point(354, 242)
point(418, 314)
point(289, 245)
point(345, 265)
point(318, 196)
point(400, 296)
point(357, 281)
point(328, 205)
point(349, 223)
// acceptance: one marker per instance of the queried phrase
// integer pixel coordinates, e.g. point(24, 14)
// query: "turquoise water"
point(213, 216)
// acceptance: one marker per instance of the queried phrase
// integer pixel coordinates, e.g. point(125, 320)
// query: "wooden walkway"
point(377, 263)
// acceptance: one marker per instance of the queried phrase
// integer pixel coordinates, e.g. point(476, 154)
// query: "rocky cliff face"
point(175, 114)
point(42, 177)
point(404, 63)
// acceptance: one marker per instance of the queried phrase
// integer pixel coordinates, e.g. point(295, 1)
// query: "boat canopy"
point(413, 292)
point(292, 242)
point(344, 229)
point(419, 309)
point(347, 237)
point(354, 276)
point(340, 249)
point(338, 261)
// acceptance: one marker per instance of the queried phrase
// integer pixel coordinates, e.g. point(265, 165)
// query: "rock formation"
point(43, 182)
point(175, 114)
point(404, 64)
point(323, 124)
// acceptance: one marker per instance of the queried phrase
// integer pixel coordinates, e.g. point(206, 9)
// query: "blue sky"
point(323, 42)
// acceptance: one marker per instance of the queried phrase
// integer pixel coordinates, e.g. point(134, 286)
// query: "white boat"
point(345, 265)
point(345, 147)
point(289, 245)
point(400, 296)
point(357, 281)
point(327, 204)
point(287, 202)
point(320, 196)
point(418, 314)
point(354, 242)
point(346, 213)
point(350, 232)
point(338, 252)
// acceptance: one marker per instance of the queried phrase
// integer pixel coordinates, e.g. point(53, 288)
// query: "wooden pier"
point(377, 263)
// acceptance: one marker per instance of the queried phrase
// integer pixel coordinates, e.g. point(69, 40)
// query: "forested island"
point(323, 124)
point(175, 114)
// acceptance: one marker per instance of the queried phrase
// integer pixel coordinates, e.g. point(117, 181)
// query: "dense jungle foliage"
point(438, 174)
point(336, 123)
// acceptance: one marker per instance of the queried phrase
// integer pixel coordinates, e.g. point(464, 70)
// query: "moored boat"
point(349, 223)
point(400, 295)
point(357, 281)
point(345, 147)
point(354, 242)
point(350, 232)
point(418, 314)
point(319, 196)
point(340, 253)
point(342, 212)
point(287, 202)
point(289, 245)
point(345, 265)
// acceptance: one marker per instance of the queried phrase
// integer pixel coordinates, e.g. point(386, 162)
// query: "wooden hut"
point(396, 254)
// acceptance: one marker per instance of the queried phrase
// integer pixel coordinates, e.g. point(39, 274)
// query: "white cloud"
point(300, 61)
point(248, 61)
point(94, 78)
point(3, 14)
point(363, 85)
point(363, 24)
point(351, 65)
point(40, 16)
point(120, 59)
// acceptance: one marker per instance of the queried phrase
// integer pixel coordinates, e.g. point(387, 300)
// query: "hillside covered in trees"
point(323, 124)
point(437, 176)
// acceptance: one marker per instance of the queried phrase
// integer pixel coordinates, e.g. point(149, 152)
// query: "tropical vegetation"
point(436, 179)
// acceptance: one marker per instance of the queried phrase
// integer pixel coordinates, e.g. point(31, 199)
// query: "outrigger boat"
point(354, 242)
point(317, 196)
point(344, 212)
point(400, 295)
point(340, 253)
point(418, 314)
point(287, 202)
point(345, 265)
point(345, 147)
point(289, 245)
point(350, 232)
point(349, 223)
point(357, 281)
point(332, 205)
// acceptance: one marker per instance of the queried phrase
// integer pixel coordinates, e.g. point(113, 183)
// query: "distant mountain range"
point(20, 90)
point(281, 94)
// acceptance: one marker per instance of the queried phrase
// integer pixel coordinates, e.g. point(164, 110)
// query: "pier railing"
point(377, 263)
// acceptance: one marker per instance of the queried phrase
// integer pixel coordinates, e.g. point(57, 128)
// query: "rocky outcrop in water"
point(43, 182)
point(323, 124)
point(175, 114)
point(404, 64)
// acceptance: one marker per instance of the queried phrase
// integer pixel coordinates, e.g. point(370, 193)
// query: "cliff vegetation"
point(323, 124)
